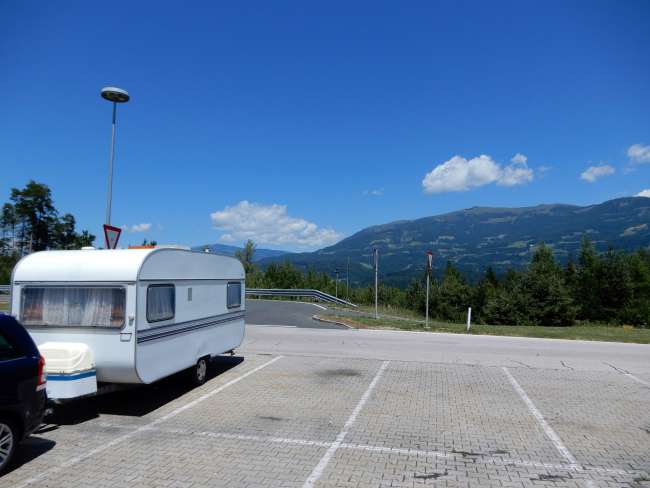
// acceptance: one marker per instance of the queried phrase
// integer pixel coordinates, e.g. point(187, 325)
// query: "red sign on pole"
point(111, 236)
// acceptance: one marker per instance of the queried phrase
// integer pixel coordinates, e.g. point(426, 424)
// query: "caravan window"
point(73, 306)
point(234, 295)
point(161, 302)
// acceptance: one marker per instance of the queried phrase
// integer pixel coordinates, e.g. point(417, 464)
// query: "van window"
point(234, 295)
point(7, 349)
point(73, 306)
point(161, 302)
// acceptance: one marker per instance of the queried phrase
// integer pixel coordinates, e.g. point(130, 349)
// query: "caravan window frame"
point(24, 287)
point(238, 305)
point(161, 285)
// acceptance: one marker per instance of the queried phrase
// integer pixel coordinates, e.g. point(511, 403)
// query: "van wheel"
point(8, 441)
point(200, 372)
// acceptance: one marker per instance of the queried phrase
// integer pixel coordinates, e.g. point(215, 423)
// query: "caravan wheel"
point(200, 371)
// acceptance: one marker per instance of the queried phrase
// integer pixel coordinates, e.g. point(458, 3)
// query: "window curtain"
point(160, 303)
point(74, 306)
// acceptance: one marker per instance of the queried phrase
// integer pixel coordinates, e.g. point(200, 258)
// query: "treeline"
point(29, 222)
point(611, 287)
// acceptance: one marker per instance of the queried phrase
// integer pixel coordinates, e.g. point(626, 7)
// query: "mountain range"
point(478, 237)
point(231, 250)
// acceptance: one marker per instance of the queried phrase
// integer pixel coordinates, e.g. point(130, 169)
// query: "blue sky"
point(299, 124)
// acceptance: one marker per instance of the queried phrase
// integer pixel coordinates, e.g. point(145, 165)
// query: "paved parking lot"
point(303, 421)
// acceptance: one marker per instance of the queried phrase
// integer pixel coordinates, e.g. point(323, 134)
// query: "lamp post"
point(375, 257)
point(429, 267)
point(115, 95)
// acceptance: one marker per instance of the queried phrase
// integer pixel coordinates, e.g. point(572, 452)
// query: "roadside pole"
point(336, 293)
point(469, 319)
point(429, 267)
point(347, 280)
point(375, 252)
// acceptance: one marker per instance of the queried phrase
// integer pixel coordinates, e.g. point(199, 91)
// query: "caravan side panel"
point(202, 324)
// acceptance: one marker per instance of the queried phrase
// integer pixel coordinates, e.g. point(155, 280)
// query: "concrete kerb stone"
point(318, 318)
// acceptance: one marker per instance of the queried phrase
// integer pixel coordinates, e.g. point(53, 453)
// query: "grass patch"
point(4, 306)
point(587, 332)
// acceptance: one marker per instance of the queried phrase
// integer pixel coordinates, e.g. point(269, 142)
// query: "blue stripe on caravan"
point(189, 326)
point(70, 377)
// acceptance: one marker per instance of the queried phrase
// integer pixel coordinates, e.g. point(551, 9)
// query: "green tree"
point(83, 239)
point(614, 287)
point(637, 310)
point(547, 298)
point(246, 256)
point(587, 282)
point(452, 297)
point(507, 305)
point(36, 213)
point(485, 290)
point(31, 222)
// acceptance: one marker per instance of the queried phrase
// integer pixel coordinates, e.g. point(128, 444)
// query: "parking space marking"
point(550, 433)
point(486, 459)
point(273, 325)
point(320, 467)
point(637, 379)
point(149, 426)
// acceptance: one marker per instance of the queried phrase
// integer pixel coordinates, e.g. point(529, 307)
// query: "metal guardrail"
point(5, 290)
point(300, 293)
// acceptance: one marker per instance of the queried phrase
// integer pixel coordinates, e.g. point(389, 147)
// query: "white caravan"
point(127, 316)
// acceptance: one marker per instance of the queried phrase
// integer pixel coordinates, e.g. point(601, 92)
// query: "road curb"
point(318, 318)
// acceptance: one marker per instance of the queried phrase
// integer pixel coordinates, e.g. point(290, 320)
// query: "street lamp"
point(115, 95)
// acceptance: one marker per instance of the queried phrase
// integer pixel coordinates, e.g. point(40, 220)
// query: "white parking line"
point(273, 325)
point(550, 433)
point(483, 459)
point(638, 380)
point(320, 467)
point(143, 428)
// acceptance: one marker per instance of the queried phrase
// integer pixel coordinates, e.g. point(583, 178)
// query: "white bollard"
point(469, 319)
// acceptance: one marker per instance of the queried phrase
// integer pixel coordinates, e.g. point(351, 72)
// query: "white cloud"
point(639, 153)
point(515, 174)
point(519, 159)
point(644, 193)
point(374, 193)
point(460, 174)
point(270, 224)
point(592, 173)
point(144, 227)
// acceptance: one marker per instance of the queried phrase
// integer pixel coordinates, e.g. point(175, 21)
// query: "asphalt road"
point(285, 313)
point(433, 347)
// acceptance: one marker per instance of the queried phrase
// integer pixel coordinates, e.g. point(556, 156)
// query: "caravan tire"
point(200, 372)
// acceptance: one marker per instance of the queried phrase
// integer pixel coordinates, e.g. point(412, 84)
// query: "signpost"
point(429, 268)
point(336, 293)
point(111, 236)
point(375, 256)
